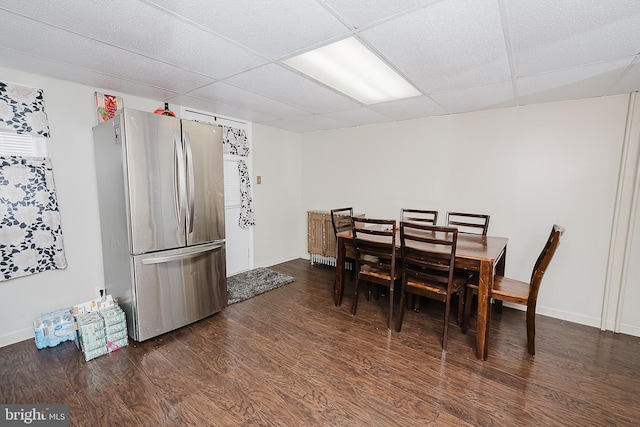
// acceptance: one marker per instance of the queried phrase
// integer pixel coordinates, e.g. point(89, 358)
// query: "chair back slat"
point(371, 231)
point(428, 247)
point(375, 235)
point(341, 219)
point(419, 215)
point(469, 223)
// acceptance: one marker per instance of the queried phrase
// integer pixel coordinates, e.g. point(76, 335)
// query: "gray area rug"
point(254, 282)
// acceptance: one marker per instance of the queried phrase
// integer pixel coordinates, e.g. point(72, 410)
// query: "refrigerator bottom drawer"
point(173, 289)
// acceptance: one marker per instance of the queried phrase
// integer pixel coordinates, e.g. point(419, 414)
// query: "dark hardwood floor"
point(290, 357)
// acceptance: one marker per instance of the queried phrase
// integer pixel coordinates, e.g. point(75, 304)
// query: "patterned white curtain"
point(22, 110)
point(234, 141)
point(247, 218)
point(31, 237)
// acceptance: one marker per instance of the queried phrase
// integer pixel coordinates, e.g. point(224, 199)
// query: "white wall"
point(280, 231)
point(528, 167)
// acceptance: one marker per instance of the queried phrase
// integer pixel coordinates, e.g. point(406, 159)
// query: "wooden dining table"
point(484, 255)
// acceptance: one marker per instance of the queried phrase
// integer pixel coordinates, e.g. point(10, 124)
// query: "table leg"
point(391, 298)
point(502, 261)
point(485, 283)
point(339, 282)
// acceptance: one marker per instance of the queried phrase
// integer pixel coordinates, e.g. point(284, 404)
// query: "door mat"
point(254, 282)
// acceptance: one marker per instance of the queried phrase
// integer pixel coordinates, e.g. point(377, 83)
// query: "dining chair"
point(341, 221)
point(518, 292)
point(428, 267)
point(423, 216)
point(419, 215)
point(468, 222)
point(375, 245)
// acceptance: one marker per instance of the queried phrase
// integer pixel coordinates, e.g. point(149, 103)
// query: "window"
point(22, 145)
point(232, 197)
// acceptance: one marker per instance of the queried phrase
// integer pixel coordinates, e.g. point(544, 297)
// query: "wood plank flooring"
point(290, 357)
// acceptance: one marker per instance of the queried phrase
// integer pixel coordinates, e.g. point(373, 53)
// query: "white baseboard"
point(630, 330)
point(626, 329)
point(16, 336)
point(269, 263)
point(569, 316)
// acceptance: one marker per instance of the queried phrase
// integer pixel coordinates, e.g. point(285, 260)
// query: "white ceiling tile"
point(449, 45)
point(53, 44)
point(280, 83)
point(583, 82)
point(273, 28)
point(493, 95)
point(159, 35)
point(550, 34)
point(358, 117)
point(359, 13)
point(231, 95)
point(409, 108)
point(222, 109)
point(306, 124)
point(31, 64)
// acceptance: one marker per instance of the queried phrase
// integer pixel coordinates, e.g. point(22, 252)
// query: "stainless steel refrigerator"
point(161, 200)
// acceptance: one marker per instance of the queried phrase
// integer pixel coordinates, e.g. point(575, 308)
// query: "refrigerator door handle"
point(182, 254)
point(190, 182)
point(180, 184)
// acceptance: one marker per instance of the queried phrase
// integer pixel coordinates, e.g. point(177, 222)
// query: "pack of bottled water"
point(50, 329)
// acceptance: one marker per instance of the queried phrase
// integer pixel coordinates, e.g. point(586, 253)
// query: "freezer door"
point(205, 182)
point(154, 180)
point(178, 287)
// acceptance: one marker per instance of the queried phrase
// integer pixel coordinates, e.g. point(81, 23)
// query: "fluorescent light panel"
point(349, 67)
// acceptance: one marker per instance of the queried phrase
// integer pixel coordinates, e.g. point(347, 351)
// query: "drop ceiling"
point(225, 56)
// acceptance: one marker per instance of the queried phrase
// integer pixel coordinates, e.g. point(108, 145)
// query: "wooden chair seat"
point(368, 270)
point(511, 290)
point(506, 289)
point(376, 275)
point(432, 289)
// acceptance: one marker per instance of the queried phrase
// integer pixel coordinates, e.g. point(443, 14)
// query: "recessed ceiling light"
point(349, 67)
